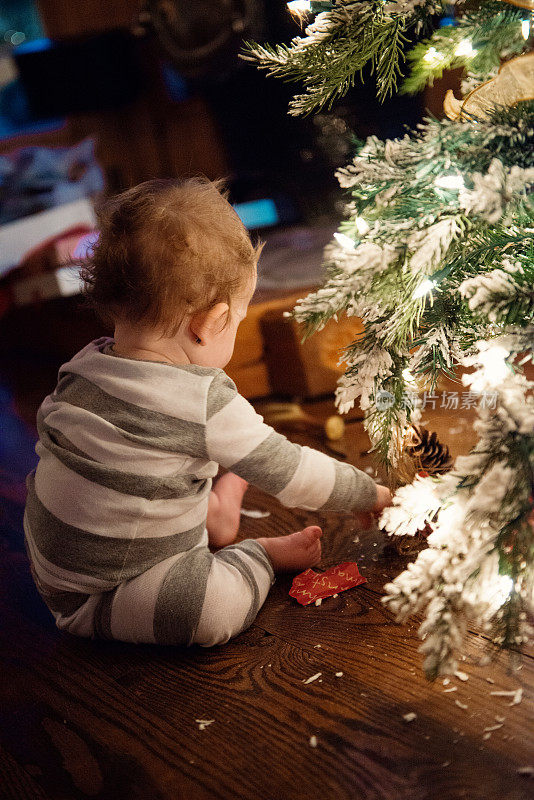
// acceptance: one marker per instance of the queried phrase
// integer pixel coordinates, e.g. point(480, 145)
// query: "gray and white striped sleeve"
point(239, 440)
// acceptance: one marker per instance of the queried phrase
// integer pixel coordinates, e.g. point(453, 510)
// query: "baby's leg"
point(194, 597)
point(224, 509)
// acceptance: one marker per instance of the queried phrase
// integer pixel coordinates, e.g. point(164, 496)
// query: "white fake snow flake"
point(316, 646)
point(516, 695)
point(313, 678)
point(493, 727)
point(461, 675)
point(452, 689)
point(339, 674)
point(318, 602)
point(255, 513)
point(461, 705)
point(410, 716)
point(313, 741)
point(526, 771)
point(203, 723)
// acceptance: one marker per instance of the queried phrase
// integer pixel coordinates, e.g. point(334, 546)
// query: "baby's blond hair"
point(167, 249)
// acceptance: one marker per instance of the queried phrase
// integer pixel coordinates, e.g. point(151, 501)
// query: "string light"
point(500, 591)
point(407, 375)
point(345, 241)
point(450, 182)
point(525, 29)
point(299, 7)
point(465, 48)
point(424, 288)
point(494, 369)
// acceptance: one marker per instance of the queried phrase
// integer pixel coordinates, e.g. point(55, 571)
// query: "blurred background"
point(100, 95)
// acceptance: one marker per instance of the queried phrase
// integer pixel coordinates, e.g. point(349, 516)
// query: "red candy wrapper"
point(310, 585)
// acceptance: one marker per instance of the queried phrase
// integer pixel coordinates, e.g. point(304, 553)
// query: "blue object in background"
point(85, 246)
point(176, 85)
point(17, 441)
point(33, 179)
point(17, 458)
point(15, 115)
point(258, 213)
point(20, 21)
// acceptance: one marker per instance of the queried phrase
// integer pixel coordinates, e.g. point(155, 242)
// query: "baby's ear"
point(206, 324)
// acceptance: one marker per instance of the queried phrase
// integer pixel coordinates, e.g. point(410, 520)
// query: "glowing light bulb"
point(525, 29)
point(465, 48)
point(450, 182)
point(500, 591)
point(407, 375)
point(361, 226)
point(345, 241)
point(424, 288)
point(494, 366)
point(299, 7)
point(432, 56)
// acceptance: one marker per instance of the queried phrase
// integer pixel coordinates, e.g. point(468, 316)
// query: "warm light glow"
point(494, 366)
point(407, 375)
point(450, 182)
point(299, 7)
point(499, 591)
point(361, 226)
point(465, 48)
point(525, 29)
point(432, 56)
point(424, 288)
point(345, 241)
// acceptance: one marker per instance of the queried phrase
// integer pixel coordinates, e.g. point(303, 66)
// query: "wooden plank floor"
point(83, 719)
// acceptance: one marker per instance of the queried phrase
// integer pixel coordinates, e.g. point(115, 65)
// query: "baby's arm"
point(238, 439)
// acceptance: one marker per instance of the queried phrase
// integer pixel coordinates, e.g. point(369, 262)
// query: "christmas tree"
point(436, 255)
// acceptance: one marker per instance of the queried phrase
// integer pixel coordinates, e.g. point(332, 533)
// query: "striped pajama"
point(115, 520)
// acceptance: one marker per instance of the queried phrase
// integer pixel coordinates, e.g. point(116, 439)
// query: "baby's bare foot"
point(296, 551)
point(224, 509)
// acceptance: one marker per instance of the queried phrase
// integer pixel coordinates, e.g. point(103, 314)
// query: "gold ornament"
point(514, 83)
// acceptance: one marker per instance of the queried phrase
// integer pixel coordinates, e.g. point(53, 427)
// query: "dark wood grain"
point(83, 719)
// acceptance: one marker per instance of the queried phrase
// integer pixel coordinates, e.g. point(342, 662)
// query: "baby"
point(120, 511)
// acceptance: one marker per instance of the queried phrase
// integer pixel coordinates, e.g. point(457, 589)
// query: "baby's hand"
point(366, 519)
point(383, 499)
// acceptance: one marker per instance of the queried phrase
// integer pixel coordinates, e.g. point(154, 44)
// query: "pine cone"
point(427, 451)
point(432, 457)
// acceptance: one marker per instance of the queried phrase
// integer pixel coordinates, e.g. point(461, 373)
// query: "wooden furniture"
point(84, 719)
point(270, 356)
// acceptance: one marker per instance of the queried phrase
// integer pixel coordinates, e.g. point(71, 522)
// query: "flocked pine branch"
point(479, 566)
point(339, 43)
point(436, 255)
point(423, 215)
point(481, 38)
